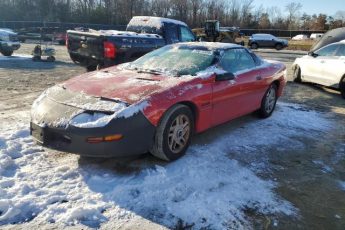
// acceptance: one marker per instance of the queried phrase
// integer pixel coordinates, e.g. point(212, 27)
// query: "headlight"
point(91, 120)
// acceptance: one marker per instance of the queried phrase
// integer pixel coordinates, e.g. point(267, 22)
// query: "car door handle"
point(258, 78)
point(322, 62)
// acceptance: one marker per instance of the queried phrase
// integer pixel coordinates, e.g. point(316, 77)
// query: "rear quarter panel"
point(275, 72)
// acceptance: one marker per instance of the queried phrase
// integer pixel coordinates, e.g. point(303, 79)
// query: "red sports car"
point(157, 102)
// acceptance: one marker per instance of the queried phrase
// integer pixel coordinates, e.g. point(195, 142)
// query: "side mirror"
point(312, 54)
point(227, 76)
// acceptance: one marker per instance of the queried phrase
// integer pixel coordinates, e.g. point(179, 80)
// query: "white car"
point(8, 42)
point(325, 66)
point(316, 36)
point(300, 37)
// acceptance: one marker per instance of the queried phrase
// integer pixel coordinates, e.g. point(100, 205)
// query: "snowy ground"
point(206, 188)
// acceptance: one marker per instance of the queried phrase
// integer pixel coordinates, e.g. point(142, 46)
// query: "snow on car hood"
point(94, 99)
point(123, 85)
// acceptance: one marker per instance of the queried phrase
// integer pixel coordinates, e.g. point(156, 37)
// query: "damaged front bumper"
point(136, 132)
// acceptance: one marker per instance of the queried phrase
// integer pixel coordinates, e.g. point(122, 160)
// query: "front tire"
point(6, 53)
point(268, 102)
point(297, 74)
point(173, 133)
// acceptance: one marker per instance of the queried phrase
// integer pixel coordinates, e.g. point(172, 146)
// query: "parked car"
point(8, 42)
point(157, 102)
point(316, 36)
point(109, 47)
point(60, 37)
point(335, 35)
point(7, 29)
point(266, 41)
point(42, 33)
point(300, 37)
point(325, 66)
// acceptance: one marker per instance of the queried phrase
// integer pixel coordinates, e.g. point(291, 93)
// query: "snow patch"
point(86, 120)
point(153, 21)
point(128, 34)
point(16, 57)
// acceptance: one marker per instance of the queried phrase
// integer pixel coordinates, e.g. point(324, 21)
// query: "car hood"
point(122, 85)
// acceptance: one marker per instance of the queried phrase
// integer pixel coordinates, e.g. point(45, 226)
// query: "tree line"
point(242, 13)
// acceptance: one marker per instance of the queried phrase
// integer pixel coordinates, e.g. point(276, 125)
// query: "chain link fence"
point(17, 25)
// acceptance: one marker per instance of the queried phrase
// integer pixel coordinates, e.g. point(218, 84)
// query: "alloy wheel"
point(270, 100)
point(179, 133)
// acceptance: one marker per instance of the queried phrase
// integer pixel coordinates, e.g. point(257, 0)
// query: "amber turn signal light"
point(95, 140)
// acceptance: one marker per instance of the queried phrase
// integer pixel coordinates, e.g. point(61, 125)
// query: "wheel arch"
point(277, 83)
point(189, 104)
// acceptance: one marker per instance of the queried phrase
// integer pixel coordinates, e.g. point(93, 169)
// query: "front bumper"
point(138, 132)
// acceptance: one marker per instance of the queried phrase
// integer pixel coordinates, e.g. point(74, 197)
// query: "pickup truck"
point(103, 48)
point(8, 42)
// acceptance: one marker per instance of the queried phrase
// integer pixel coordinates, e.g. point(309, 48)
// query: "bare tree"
point(293, 9)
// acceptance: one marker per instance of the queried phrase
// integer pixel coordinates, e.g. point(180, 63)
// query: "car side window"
point(341, 51)
point(235, 60)
point(171, 33)
point(186, 35)
point(328, 50)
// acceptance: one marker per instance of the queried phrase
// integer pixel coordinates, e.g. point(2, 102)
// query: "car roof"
point(210, 45)
point(262, 35)
point(154, 21)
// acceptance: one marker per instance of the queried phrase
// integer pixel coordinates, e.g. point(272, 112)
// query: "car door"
point(271, 41)
point(334, 67)
point(313, 69)
point(236, 97)
point(266, 40)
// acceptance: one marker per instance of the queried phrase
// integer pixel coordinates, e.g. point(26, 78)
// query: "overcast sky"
point(329, 7)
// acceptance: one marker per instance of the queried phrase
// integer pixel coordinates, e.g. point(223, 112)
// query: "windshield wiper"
point(151, 71)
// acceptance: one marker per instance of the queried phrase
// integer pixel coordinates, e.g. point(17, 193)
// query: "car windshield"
point(176, 60)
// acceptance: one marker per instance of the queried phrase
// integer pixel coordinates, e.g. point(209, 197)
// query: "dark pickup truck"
point(98, 49)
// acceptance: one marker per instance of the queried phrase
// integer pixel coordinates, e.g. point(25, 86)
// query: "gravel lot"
point(309, 170)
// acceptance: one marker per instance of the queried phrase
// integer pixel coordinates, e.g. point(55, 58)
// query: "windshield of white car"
point(175, 60)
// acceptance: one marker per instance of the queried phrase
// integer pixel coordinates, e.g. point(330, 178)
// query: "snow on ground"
point(16, 57)
point(206, 188)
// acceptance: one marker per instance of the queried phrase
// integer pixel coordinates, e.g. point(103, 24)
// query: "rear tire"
point(279, 46)
point(173, 133)
point(6, 53)
point(268, 102)
point(297, 74)
point(91, 68)
point(74, 58)
point(51, 59)
point(254, 46)
point(342, 87)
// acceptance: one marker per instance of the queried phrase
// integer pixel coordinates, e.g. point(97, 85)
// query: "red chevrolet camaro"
point(157, 102)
